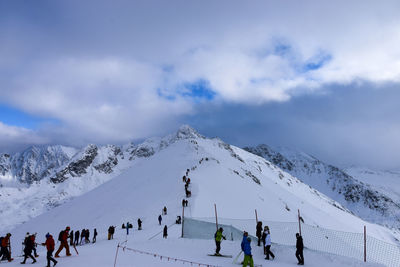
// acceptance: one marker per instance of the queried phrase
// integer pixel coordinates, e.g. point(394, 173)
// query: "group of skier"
point(263, 236)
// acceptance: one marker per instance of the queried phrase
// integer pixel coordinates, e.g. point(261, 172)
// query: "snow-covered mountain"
point(235, 179)
point(148, 176)
point(360, 196)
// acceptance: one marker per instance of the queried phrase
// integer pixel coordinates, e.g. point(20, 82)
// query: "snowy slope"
point(387, 182)
point(364, 200)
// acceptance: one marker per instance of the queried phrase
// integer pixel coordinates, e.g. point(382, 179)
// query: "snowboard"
point(220, 255)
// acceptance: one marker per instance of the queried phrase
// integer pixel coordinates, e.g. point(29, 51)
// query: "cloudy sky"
point(319, 76)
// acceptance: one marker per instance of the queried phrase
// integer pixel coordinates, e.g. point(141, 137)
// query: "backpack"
point(60, 235)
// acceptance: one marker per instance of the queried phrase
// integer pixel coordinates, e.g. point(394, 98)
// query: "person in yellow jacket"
point(218, 237)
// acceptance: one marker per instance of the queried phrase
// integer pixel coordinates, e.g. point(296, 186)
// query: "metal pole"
point(116, 255)
point(216, 216)
point(365, 243)
point(183, 219)
point(256, 216)
point(298, 217)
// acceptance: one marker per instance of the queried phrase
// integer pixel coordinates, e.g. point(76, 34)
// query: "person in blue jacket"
point(248, 258)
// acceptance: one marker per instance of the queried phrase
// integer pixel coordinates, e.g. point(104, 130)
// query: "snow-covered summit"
point(361, 198)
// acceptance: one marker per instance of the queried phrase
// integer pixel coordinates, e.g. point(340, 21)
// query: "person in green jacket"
point(218, 237)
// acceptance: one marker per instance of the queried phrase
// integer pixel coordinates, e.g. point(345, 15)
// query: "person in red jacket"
point(63, 238)
point(5, 246)
point(50, 248)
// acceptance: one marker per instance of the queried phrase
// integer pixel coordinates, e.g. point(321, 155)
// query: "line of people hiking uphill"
point(263, 236)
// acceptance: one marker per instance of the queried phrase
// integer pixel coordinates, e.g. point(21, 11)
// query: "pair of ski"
point(235, 260)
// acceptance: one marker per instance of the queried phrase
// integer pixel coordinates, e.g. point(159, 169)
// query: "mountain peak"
point(185, 132)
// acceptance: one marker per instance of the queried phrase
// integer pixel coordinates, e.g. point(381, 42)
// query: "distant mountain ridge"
point(364, 200)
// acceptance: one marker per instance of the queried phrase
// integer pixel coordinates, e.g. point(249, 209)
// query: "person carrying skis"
point(5, 248)
point(28, 249)
point(139, 223)
point(165, 232)
point(76, 238)
point(218, 238)
point(259, 232)
point(299, 249)
point(63, 238)
point(94, 235)
point(50, 249)
point(159, 219)
point(248, 258)
point(268, 246)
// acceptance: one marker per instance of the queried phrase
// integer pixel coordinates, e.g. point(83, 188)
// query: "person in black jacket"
point(299, 249)
point(94, 235)
point(76, 238)
point(28, 249)
point(139, 223)
point(71, 238)
point(165, 232)
point(259, 232)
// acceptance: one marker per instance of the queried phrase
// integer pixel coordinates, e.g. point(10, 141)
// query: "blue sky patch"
point(199, 89)
point(317, 62)
point(15, 117)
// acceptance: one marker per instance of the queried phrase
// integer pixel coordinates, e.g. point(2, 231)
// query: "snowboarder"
point(139, 223)
point(94, 235)
point(63, 238)
point(50, 248)
point(248, 258)
point(268, 245)
point(159, 219)
point(165, 232)
point(299, 249)
point(218, 237)
point(165, 210)
point(71, 238)
point(28, 249)
point(259, 232)
point(76, 238)
point(5, 248)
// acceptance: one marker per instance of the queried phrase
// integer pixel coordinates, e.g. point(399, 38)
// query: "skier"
point(87, 235)
point(71, 238)
point(159, 219)
point(83, 234)
point(28, 249)
point(264, 236)
point(94, 235)
point(218, 237)
point(63, 238)
point(248, 258)
point(258, 232)
point(268, 245)
point(165, 232)
point(50, 248)
point(178, 220)
point(76, 238)
point(299, 249)
point(111, 230)
point(139, 223)
point(183, 202)
point(127, 228)
point(165, 210)
point(5, 248)
point(33, 237)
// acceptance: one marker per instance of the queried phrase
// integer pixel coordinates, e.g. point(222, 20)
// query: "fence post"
point(183, 219)
point(365, 243)
point(298, 217)
point(216, 216)
point(256, 215)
